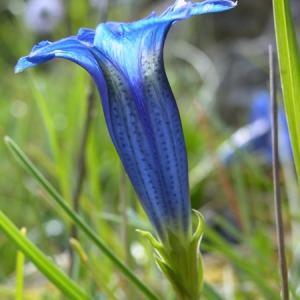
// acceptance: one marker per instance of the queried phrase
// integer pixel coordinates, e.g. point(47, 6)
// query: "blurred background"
point(218, 69)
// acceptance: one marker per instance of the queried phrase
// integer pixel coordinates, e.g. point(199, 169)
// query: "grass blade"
point(218, 244)
point(289, 71)
point(28, 165)
point(48, 268)
point(20, 271)
point(209, 292)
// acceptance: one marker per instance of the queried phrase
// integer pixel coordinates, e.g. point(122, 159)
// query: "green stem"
point(20, 271)
point(185, 261)
point(180, 261)
point(189, 273)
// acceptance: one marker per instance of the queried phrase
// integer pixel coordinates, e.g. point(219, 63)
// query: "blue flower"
point(260, 110)
point(256, 136)
point(41, 16)
point(126, 63)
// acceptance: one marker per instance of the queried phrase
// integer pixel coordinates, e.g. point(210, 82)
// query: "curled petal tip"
point(17, 69)
point(231, 3)
point(40, 45)
point(20, 66)
point(24, 63)
point(234, 3)
point(224, 3)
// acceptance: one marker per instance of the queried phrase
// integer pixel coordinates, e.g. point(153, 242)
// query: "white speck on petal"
point(180, 3)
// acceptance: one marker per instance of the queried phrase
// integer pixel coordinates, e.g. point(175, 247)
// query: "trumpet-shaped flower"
point(126, 63)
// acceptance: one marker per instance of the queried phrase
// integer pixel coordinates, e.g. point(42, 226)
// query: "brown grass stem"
point(275, 159)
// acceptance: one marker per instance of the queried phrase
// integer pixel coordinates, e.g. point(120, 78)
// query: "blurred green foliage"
point(44, 111)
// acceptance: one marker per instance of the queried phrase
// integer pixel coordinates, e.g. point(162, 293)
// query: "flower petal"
point(145, 121)
point(76, 49)
point(70, 48)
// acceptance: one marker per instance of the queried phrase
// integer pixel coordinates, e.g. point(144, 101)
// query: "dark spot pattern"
point(134, 147)
point(166, 124)
point(146, 130)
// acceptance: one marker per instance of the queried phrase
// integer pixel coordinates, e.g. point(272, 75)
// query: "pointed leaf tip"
point(150, 238)
point(200, 227)
point(18, 69)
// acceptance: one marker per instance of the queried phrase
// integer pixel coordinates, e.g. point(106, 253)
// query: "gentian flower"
point(126, 63)
point(42, 16)
point(256, 136)
point(260, 110)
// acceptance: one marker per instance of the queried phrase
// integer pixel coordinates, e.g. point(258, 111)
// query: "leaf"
point(289, 71)
point(44, 264)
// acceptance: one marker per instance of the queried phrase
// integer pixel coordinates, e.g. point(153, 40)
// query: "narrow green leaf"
point(48, 268)
point(28, 165)
point(219, 245)
point(20, 270)
point(289, 71)
point(210, 293)
point(59, 158)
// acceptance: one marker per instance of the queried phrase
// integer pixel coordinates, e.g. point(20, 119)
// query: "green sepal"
point(200, 227)
point(180, 260)
point(151, 239)
point(171, 276)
